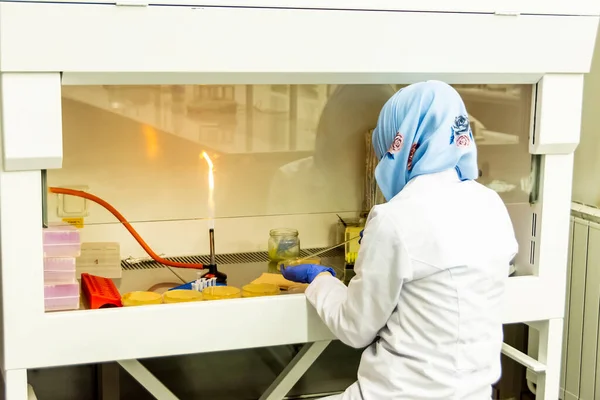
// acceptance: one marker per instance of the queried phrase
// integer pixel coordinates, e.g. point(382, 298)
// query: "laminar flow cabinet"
point(52, 50)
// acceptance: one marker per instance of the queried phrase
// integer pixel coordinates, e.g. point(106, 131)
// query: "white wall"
point(586, 180)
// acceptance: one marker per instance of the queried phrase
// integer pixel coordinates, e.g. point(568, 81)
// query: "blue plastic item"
point(188, 286)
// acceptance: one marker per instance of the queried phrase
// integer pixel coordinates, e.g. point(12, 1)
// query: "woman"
point(433, 263)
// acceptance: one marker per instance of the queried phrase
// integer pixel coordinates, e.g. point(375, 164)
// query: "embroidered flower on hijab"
point(463, 141)
point(396, 144)
point(413, 149)
point(461, 124)
point(461, 130)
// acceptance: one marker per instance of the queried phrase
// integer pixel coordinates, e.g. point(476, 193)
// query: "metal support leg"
point(550, 353)
point(30, 393)
point(108, 381)
point(147, 380)
point(295, 370)
point(274, 359)
point(15, 385)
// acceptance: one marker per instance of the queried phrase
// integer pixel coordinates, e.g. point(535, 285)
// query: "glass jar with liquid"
point(284, 244)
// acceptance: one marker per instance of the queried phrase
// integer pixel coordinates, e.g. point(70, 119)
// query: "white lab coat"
point(427, 293)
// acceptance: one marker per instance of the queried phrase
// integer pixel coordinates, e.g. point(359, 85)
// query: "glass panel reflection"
point(277, 149)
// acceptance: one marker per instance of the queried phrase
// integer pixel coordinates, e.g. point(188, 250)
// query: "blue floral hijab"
point(423, 129)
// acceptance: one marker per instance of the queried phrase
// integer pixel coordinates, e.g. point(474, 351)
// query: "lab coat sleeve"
point(355, 314)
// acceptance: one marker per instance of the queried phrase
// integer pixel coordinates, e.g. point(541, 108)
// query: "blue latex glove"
point(361, 236)
point(304, 273)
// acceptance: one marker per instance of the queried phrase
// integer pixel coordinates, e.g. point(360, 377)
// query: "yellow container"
point(351, 248)
point(181, 296)
point(140, 299)
point(221, 293)
point(260, 289)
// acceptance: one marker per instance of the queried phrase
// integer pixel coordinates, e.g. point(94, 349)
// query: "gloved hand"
point(361, 236)
point(304, 273)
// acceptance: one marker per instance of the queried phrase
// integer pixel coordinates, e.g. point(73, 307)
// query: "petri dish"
point(221, 293)
point(299, 261)
point(140, 299)
point(181, 296)
point(298, 288)
point(260, 290)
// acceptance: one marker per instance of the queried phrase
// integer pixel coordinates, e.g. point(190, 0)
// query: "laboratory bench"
point(269, 362)
point(241, 269)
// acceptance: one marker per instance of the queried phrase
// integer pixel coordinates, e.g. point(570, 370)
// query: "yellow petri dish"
point(221, 293)
point(140, 299)
point(298, 288)
point(259, 290)
point(181, 296)
point(300, 261)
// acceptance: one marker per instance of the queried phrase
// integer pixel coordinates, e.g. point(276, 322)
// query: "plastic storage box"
point(64, 290)
point(61, 297)
point(59, 277)
point(59, 270)
point(59, 264)
point(61, 241)
point(61, 303)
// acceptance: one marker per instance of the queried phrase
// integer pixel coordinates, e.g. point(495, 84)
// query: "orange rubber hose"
point(127, 225)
